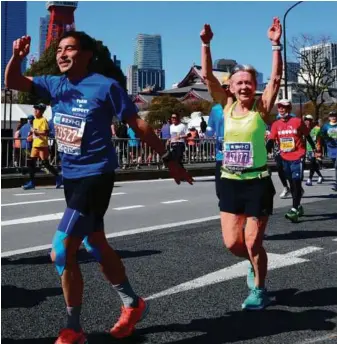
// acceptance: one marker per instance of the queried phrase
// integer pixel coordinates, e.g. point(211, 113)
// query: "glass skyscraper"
point(13, 26)
point(148, 52)
point(44, 22)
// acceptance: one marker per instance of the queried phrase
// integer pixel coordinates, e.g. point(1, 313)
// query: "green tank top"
point(244, 145)
point(314, 133)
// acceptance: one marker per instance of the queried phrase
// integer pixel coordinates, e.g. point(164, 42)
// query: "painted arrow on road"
point(275, 261)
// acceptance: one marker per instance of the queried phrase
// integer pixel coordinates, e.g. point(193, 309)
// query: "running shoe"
point(251, 277)
point(292, 215)
point(300, 210)
point(285, 193)
point(308, 182)
point(256, 300)
point(29, 186)
point(320, 180)
point(69, 336)
point(130, 316)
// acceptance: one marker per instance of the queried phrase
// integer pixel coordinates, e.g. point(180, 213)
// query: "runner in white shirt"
point(178, 133)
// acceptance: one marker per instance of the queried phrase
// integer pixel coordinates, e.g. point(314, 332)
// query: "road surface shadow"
point(14, 297)
point(298, 235)
point(240, 325)
point(94, 338)
point(83, 257)
point(330, 196)
point(312, 298)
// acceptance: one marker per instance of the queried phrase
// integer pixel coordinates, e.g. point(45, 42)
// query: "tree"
point(161, 109)
point(314, 75)
point(46, 65)
point(199, 106)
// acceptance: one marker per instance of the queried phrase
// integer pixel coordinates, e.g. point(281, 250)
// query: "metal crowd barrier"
point(131, 153)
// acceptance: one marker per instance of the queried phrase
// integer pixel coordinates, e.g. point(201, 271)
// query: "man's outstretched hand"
point(178, 173)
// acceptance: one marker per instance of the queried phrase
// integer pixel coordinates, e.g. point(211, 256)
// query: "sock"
point(126, 293)
point(73, 318)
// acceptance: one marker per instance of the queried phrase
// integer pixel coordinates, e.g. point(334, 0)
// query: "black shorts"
point(252, 197)
point(90, 195)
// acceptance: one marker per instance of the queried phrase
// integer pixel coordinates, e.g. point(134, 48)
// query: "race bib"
point(238, 155)
point(69, 131)
point(287, 144)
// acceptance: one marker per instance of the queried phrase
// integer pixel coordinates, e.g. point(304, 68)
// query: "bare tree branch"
point(315, 74)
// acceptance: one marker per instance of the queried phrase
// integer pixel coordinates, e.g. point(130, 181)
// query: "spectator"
point(203, 125)
point(122, 146)
point(178, 135)
point(191, 139)
point(135, 148)
point(26, 143)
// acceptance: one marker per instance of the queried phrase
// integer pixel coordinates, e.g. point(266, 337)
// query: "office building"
point(44, 22)
point(13, 26)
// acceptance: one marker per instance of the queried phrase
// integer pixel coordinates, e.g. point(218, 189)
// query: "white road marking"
point(175, 201)
point(33, 202)
point(39, 218)
point(275, 261)
point(30, 194)
point(115, 235)
point(118, 193)
point(328, 337)
point(334, 239)
point(130, 207)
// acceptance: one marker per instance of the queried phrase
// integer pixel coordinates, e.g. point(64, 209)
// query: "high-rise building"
point(148, 52)
point(322, 53)
point(293, 69)
point(116, 61)
point(13, 26)
point(259, 81)
point(147, 71)
point(44, 22)
point(224, 65)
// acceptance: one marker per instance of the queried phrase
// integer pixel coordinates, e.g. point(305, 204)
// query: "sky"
point(240, 28)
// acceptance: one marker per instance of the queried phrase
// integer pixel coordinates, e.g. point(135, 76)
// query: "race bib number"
point(287, 144)
point(238, 156)
point(68, 133)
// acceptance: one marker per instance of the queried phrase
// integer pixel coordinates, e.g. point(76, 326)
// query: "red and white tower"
point(61, 18)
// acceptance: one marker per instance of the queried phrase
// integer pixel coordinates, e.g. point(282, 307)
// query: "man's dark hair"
point(101, 61)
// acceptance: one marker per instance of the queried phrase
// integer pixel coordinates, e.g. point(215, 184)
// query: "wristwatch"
point(277, 47)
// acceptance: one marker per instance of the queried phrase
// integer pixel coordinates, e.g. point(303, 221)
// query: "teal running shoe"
point(292, 215)
point(257, 300)
point(251, 277)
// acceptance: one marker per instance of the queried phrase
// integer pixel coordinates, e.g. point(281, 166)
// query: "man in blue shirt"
point(84, 103)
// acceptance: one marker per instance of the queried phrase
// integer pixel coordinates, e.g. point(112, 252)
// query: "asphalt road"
point(194, 285)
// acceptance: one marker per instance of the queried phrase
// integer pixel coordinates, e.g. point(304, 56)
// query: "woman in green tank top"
point(247, 191)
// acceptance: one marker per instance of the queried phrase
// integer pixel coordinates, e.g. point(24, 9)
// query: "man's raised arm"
point(13, 75)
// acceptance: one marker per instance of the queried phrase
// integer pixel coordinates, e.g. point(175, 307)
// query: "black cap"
point(40, 106)
point(333, 114)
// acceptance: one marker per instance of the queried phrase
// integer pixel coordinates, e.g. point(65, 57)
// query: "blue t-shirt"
point(165, 131)
point(216, 126)
point(82, 115)
point(329, 134)
point(132, 142)
point(23, 133)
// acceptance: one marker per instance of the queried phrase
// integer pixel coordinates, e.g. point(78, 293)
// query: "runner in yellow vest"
point(246, 200)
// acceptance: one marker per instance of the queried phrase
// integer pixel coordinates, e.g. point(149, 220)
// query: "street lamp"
point(285, 49)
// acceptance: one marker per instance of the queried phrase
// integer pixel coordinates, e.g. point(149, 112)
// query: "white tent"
point(195, 120)
point(20, 111)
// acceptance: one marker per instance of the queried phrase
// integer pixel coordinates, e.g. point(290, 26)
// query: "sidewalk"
point(14, 180)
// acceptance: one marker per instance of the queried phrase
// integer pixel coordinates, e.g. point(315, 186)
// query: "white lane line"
point(117, 234)
point(30, 194)
point(118, 193)
point(175, 201)
point(334, 239)
point(39, 218)
point(33, 202)
point(275, 261)
point(130, 207)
